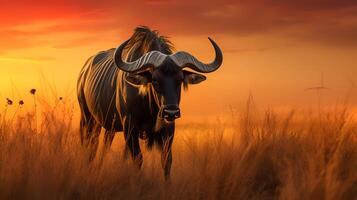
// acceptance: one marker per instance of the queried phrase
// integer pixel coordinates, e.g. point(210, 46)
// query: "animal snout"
point(171, 112)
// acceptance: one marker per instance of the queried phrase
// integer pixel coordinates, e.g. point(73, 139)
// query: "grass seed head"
point(9, 101)
point(33, 91)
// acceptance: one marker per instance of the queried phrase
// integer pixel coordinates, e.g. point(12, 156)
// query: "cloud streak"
point(324, 22)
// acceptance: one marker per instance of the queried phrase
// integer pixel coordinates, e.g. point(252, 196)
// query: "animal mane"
point(144, 40)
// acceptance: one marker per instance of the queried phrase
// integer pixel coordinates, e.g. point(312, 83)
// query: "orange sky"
point(273, 49)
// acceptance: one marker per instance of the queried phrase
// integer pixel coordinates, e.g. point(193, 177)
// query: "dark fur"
point(144, 40)
point(137, 115)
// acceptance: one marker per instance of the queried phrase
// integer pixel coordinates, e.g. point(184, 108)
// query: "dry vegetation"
point(256, 156)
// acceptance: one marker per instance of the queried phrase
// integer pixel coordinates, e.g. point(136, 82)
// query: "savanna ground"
point(253, 155)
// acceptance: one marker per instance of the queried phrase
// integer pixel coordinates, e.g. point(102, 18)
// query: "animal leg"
point(108, 140)
point(166, 157)
point(89, 130)
point(93, 142)
point(132, 145)
point(164, 144)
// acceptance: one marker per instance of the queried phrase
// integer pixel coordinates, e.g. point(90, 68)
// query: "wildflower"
point(9, 101)
point(60, 98)
point(21, 102)
point(33, 91)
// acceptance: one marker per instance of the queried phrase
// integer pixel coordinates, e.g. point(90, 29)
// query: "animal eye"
point(156, 84)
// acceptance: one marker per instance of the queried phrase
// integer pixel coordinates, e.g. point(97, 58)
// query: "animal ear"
point(141, 78)
point(192, 77)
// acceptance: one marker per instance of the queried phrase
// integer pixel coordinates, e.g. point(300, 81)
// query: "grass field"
point(253, 155)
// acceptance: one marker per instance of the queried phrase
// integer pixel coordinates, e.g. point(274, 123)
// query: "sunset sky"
point(273, 50)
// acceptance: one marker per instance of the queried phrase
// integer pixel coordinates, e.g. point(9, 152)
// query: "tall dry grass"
point(255, 156)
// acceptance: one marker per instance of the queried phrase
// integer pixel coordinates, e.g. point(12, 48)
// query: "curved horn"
point(150, 59)
point(184, 59)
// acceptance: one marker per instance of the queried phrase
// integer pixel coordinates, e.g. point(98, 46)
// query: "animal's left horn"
point(184, 59)
point(150, 59)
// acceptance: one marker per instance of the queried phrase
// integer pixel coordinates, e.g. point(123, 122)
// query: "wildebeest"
point(139, 96)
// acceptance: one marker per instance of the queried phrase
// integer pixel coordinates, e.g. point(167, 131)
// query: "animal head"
point(164, 74)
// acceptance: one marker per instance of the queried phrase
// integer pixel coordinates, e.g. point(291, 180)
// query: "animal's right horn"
point(150, 59)
point(184, 59)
